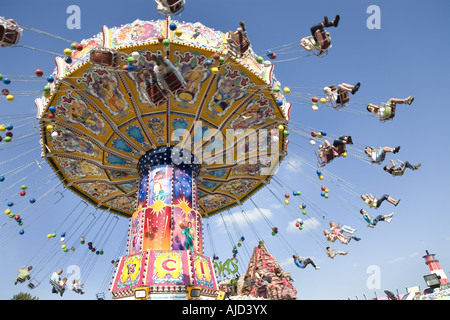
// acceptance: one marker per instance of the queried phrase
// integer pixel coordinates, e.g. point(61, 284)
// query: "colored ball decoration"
point(67, 52)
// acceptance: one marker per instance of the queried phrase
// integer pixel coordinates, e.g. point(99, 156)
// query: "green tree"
point(23, 296)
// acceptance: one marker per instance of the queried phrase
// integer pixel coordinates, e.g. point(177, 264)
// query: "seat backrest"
point(323, 38)
point(103, 58)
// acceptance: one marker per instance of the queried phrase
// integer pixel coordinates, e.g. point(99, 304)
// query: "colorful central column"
point(165, 239)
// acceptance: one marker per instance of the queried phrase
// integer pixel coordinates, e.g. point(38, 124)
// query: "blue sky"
point(408, 55)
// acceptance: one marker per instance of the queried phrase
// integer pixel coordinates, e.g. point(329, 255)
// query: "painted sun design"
point(158, 206)
point(184, 205)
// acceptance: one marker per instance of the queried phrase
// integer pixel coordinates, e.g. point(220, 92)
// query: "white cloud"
point(396, 260)
point(399, 259)
point(276, 206)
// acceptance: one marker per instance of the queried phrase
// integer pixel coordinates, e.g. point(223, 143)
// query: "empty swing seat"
point(175, 6)
point(103, 57)
point(33, 284)
point(171, 6)
point(10, 33)
point(174, 83)
point(156, 94)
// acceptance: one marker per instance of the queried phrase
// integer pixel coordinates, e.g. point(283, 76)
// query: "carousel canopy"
point(101, 112)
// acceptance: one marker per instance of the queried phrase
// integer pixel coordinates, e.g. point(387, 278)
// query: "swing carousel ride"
point(169, 123)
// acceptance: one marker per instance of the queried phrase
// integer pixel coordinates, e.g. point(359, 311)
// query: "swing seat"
point(56, 287)
point(343, 97)
point(174, 83)
point(10, 33)
point(172, 6)
point(329, 155)
point(323, 39)
point(238, 42)
point(392, 115)
point(156, 94)
point(100, 296)
point(33, 284)
point(319, 47)
point(104, 58)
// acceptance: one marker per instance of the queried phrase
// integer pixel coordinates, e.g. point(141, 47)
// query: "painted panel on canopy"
point(208, 186)
point(250, 62)
point(72, 109)
point(127, 187)
point(230, 88)
point(191, 64)
point(68, 142)
point(75, 169)
point(123, 203)
point(136, 32)
point(97, 191)
point(238, 188)
point(196, 34)
point(105, 89)
point(110, 159)
point(157, 128)
point(123, 146)
point(214, 173)
point(213, 202)
point(136, 135)
point(117, 175)
point(181, 124)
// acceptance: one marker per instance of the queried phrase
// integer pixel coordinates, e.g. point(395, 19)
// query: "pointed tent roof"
point(279, 288)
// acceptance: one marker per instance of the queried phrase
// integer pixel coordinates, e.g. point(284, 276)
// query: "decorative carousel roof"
point(97, 121)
